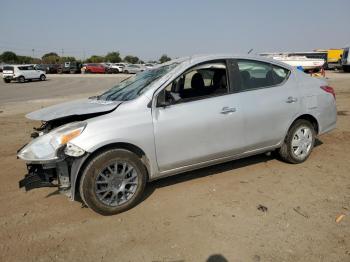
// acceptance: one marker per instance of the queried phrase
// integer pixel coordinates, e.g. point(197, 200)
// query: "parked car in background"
point(69, 68)
point(345, 61)
point(1, 66)
point(94, 68)
point(48, 68)
point(133, 69)
point(112, 68)
point(22, 73)
point(182, 115)
point(149, 65)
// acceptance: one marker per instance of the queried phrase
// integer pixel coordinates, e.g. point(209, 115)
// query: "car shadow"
point(27, 82)
point(211, 170)
point(200, 173)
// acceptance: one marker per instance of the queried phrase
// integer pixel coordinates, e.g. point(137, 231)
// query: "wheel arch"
point(76, 176)
point(313, 120)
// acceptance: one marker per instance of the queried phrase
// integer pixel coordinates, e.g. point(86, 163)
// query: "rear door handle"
point(227, 110)
point(291, 99)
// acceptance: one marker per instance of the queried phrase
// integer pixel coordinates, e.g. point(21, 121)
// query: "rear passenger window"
point(256, 74)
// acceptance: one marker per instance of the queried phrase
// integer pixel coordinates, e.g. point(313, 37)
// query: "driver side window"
point(202, 81)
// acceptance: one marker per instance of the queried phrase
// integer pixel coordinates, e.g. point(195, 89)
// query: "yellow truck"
point(334, 56)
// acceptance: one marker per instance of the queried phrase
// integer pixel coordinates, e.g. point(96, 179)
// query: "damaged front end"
point(52, 159)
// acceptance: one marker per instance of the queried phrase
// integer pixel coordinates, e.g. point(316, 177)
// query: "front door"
point(203, 122)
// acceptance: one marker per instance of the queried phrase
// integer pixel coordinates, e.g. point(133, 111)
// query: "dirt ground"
point(207, 215)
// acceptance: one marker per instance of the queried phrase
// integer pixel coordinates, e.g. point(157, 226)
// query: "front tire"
point(298, 143)
point(42, 77)
point(7, 80)
point(113, 182)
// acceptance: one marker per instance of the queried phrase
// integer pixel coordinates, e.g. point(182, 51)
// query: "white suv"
point(21, 73)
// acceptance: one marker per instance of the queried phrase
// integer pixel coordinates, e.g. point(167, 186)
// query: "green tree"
point(164, 58)
point(9, 57)
point(131, 59)
point(27, 60)
point(50, 58)
point(95, 59)
point(113, 57)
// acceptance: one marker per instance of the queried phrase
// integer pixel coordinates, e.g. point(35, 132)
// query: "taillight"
point(329, 89)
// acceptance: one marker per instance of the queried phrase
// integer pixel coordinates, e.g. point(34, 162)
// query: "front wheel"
point(298, 143)
point(42, 77)
point(7, 80)
point(113, 182)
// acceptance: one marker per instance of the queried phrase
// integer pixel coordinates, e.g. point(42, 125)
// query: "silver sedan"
point(179, 116)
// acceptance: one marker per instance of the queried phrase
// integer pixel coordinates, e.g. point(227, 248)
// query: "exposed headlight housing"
point(73, 150)
point(45, 147)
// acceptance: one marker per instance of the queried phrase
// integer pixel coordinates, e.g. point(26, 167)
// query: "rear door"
point(270, 101)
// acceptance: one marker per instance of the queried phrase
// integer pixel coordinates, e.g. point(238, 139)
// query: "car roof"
point(196, 59)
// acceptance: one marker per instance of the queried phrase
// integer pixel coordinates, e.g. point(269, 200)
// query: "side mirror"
point(162, 101)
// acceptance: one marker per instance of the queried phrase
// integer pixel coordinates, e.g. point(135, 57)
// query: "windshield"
point(136, 85)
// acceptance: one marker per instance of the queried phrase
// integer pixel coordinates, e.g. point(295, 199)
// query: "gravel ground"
point(189, 217)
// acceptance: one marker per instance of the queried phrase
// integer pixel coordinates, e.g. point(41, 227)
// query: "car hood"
point(73, 108)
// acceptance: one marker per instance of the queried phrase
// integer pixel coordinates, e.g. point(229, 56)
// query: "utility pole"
point(33, 52)
point(62, 52)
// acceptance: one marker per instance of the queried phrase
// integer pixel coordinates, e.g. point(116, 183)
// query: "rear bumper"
point(10, 77)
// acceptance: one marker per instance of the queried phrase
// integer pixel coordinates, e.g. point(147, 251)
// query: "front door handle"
point(227, 110)
point(291, 99)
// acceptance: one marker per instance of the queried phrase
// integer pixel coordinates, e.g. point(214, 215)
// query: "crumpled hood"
point(73, 108)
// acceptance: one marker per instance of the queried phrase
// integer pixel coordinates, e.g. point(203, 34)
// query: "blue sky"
point(178, 28)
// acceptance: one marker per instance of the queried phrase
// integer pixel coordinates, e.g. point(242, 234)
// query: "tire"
point(21, 79)
point(346, 69)
point(42, 77)
point(298, 144)
point(109, 193)
point(7, 80)
point(126, 72)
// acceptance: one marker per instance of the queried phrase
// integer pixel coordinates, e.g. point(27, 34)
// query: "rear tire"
point(298, 143)
point(42, 77)
point(21, 79)
point(113, 182)
point(346, 69)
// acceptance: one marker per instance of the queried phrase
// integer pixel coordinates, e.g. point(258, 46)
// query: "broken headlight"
point(44, 148)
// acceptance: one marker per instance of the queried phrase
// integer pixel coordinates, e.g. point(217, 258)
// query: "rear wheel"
point(298, 143)
point(113, 182)
point(21, 79)
point(42, 77)
point(346, 69)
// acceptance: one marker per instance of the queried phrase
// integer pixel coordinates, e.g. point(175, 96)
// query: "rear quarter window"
point(257, 74)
